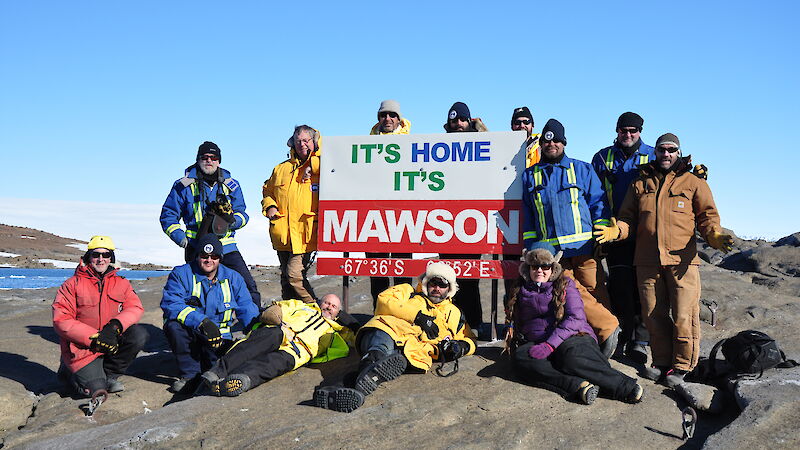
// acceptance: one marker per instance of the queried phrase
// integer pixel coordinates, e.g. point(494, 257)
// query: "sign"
point(388, 267)
point(426, 193)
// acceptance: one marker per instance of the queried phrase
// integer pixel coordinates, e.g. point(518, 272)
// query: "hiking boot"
point(636, 351)
point(114, 385)
point(587, 393)
point(610, 344)
point(338, 398)
point(385, 369)
point(234, 385)
point(212, 382)
point(674, 377)
point(635, 396)
point(654, 373)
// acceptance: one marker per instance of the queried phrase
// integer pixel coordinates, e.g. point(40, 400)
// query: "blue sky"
point(108, 101)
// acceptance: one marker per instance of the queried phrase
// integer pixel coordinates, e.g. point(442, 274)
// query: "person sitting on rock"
point(198, 303)
point(410, 326)
point(293, 333)
point(555, 345)
point(95, 314)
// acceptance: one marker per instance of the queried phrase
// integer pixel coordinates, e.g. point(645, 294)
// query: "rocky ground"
point(484, 405)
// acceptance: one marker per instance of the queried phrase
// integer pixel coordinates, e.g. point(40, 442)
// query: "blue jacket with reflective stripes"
point(617, 172)
point(561, 203)
point(188, 200)
point(189, 297)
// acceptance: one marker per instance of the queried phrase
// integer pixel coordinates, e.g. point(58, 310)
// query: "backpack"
point(750, 352)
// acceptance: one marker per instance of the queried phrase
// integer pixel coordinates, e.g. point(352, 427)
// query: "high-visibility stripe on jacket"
point(561, 204)
point(188, 200)
point(617, 171)
point(189, 297)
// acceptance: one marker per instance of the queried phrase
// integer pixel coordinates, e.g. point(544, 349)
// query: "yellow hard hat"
point(101, 242)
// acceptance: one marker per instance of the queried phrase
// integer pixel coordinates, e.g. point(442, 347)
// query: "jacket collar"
point(682, 165)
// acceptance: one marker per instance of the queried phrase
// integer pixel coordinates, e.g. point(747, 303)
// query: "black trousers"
point(468, 297)
point(233, 260)
point(380, 284)
point(95, 375)
point(624, 291)
point(257, 357)
point(577, 359)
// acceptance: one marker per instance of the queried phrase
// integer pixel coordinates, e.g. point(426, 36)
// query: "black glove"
point(211, 332)
point(451, 350)
point(348, 321)
point(701, 171)
point(107, 340)
point(428, 326)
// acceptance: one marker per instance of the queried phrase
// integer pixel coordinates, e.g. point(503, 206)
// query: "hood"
point(404, 128)
point(540, 256)
point(318, 152)
point(440, 270)
point(475, 124)
point(84, 271)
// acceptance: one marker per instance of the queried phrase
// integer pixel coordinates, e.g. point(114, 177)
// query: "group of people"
point(634, 205)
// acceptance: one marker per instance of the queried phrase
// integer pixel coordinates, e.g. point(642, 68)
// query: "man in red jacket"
point(95, 314)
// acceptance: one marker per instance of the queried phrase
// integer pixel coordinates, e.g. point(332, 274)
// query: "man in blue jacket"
point(617, 166)
point(562, 201)
point(209, 201)
point(199, 302)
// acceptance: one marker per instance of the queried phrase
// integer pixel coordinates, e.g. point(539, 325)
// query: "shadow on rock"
point(47, 333)
point(157, 340)
point(34, 376)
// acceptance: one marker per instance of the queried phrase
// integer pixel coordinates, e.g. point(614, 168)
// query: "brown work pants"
point(670, 298)
point(294, 283)
point(590, 281)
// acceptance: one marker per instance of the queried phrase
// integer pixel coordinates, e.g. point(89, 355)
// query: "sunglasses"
point(209, 256)
point(542, 266)
point(390, 114)
point(209, 158)
point(667, 149)
point(547, 141)
point(628, 130)
point(438, 283)
point(98, 255)
point(519, 122)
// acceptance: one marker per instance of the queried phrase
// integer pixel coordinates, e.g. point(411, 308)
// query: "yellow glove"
point(603, 234)
point(720, 241)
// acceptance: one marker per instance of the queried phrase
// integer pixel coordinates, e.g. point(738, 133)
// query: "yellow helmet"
point(101, 242)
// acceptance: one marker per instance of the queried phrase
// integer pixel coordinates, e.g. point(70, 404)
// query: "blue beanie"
point(554, 131)
point(459, 109)
point(210, 244)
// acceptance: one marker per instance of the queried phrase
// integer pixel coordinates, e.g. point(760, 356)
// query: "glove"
point(451, 350)
point(701, 171)
point(720, 241)
point(603, 234)
point(107, 340)
point(428, 326)
point(541, 351)
point(211, 332)
point(184, 242)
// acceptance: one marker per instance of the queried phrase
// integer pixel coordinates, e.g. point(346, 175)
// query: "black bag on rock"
point(750, 352)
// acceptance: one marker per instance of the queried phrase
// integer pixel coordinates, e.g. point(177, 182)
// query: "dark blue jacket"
point(617, 172)
point(189, 297)
point(188, 200)
point(561, 203)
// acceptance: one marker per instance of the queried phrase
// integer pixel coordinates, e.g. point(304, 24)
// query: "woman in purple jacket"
point(556, 345)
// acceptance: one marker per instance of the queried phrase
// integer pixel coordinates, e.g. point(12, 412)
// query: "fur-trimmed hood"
point(540, 256)
point(475, 124)
point(443, 271)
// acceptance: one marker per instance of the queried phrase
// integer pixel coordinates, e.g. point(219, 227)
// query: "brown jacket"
point(664, 209)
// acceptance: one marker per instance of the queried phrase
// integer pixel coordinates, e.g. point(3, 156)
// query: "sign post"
point(425, 193)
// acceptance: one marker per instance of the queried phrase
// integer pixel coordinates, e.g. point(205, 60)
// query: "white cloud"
point(134, 228)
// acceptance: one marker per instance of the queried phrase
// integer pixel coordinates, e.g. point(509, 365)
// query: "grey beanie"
point(390, 106)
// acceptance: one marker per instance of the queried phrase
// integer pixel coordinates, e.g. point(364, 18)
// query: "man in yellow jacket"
point(410, 326)
point(294, 333)
point(291, 199)
point(390, 121)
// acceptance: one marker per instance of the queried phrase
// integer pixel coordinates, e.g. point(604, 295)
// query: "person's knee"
point(137, 336)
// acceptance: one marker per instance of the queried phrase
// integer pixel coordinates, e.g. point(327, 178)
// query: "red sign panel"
point(387, 267)
point(421, 226)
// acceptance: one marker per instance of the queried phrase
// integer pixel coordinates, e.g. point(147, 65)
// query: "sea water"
point(14, 278)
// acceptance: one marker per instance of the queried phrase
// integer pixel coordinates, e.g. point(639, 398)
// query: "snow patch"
point(8, 255)
point(77, 245)
point(60, 264)
point(26, 237)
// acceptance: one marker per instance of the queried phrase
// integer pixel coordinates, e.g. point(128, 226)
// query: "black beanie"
point(210, 244)
point(459, 109)
point(209, 147)
point(522, 111)
point(630, 120)
point(554, 131)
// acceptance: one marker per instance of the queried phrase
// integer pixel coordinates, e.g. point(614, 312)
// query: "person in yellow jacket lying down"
point(290, 334)
point(411, 327)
